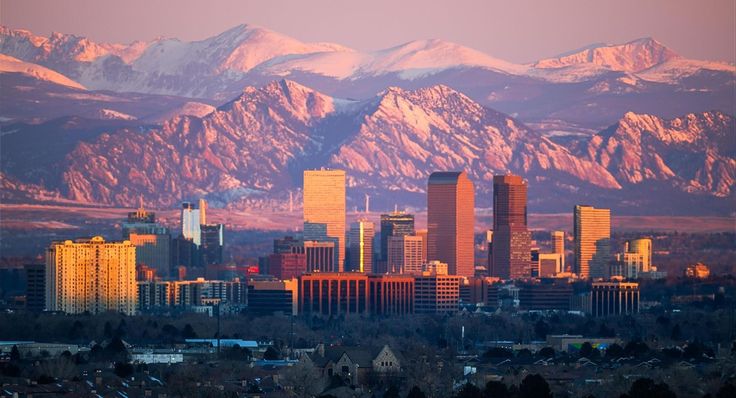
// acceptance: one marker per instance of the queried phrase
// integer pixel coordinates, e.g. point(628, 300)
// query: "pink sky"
point(518, 31)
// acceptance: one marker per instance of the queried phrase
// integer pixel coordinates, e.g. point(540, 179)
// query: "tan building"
point(635, 259)
point(558, 246)
point(91, 275)
point(435, 293)
point(592, 229)
point(451, 221)
point(361, 246)
point(324, 202)
point(405, 254)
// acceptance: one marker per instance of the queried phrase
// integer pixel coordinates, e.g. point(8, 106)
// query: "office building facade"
point(592, 232)
point(451, 221)
point(510, 257)
point(405, 254)
point(324, 202)
point(361, 246)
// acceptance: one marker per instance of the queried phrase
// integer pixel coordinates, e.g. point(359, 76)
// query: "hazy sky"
point(515, 30)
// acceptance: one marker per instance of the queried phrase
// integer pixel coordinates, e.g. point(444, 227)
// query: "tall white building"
point(91, 275)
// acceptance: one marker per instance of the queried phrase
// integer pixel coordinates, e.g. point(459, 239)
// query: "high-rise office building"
point(152, 240)
point(190, 221)
point(405, 254)
point(324, 202)
point(592, 231)
point(361, 246)
point(212, 237)
point(91, 275)
point(397, 223)
point(450, 221)
point(511, 257)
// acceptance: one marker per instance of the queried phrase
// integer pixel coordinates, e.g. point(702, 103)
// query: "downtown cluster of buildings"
point(331, 268)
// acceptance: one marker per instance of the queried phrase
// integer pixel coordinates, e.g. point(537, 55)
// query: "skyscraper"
point(592, 231)
point(361, 246)
point(152, 240)
point(212, 236)
point(324, 202)
point(450, 221)
point(511, 256)
point(91, 275)
point(396, 223)
point(558, 245)
point(190, 222)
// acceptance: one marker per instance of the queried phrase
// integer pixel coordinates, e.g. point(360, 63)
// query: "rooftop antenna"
point(367, 203)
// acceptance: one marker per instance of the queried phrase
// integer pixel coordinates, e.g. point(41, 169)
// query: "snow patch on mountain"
point(9, 64)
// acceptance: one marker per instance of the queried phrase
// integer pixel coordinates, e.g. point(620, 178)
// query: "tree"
point(15, 354)
point(124, 369)
point(392, 392)
point(586, 350)
point(188, 332)
point(496, 389)
point(727, 390)
point(614, 351)
point(647, 388)
point(116, 351)
point(271, 354)
point(541, 329)
point(469, 391)
point(546, 352)
point(534, 386)
point(416, 392)
point(304, 379)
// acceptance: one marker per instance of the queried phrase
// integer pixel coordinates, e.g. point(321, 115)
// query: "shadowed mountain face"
point(251, 151)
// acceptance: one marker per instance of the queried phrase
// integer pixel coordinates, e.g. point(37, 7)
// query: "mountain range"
point(237, 117)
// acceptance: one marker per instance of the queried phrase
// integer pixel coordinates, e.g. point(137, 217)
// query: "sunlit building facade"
point(91, 275)
point(450, 221)
point(592, 231)
point(324, 202)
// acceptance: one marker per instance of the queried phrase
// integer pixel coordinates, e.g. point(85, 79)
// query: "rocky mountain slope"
point(251, 152)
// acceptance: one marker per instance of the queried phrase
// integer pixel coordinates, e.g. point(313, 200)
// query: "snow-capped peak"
point(634, 56)
point(13, 65)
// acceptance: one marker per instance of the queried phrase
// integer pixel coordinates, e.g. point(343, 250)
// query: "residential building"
point(91, 275)
point(354, 365)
